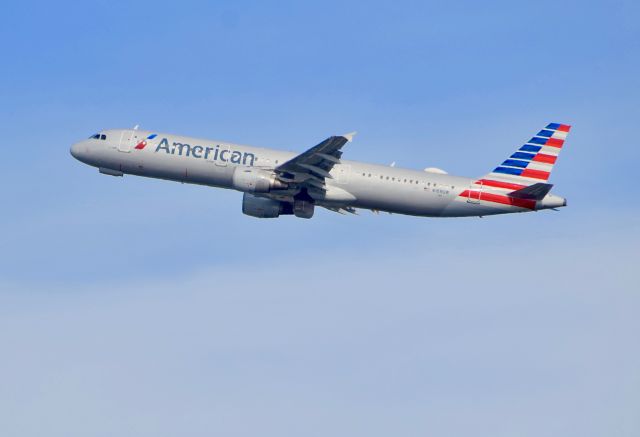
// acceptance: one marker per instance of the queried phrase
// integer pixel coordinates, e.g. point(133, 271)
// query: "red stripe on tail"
point(536, 174)
point(548, 159)
point(555, 142)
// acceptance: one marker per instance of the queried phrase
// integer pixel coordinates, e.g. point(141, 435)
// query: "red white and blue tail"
point(530, 164)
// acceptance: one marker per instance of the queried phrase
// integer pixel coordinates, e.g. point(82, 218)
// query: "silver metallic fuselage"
point(353, 184)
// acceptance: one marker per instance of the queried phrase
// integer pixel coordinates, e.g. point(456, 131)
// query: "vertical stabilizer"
point(532, 163)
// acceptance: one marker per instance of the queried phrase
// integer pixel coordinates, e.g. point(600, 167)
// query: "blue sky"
point(142, 307)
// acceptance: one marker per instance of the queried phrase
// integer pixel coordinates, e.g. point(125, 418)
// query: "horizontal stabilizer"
point(532, 192)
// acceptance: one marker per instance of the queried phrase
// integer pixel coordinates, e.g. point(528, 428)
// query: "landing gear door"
point(126, 140)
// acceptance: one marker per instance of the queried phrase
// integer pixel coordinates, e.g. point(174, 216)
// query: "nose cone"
point(78, 150)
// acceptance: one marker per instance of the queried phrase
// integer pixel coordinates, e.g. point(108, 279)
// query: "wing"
point(342, 209)
point(311, 168)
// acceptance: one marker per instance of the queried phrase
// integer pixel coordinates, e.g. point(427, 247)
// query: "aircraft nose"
point(77, 150)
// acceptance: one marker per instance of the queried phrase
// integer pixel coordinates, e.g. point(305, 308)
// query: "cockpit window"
point(103, 137)
point(98, 137)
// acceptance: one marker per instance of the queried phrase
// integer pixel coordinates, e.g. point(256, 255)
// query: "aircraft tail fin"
point(532, 163)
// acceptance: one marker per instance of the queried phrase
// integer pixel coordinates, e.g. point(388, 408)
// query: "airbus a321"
point(276, 182)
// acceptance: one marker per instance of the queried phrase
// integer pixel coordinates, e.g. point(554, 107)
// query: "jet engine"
point(262, 207)
point(253, 180)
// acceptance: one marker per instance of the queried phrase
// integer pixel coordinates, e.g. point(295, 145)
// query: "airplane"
point(275, 182)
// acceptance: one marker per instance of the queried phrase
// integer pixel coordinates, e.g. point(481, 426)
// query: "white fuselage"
point(353, 184)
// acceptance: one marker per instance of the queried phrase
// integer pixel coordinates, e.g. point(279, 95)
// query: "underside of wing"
point(341, 209)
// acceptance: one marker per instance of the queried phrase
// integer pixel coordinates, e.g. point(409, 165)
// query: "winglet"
point(349, 136)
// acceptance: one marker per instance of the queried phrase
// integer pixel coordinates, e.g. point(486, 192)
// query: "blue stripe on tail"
point(509, 170)
point(530, 148)
point(521, 155)
point(515, 163)
point(541, 141)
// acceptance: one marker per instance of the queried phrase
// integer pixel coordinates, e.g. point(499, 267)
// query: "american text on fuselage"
point(215, 153)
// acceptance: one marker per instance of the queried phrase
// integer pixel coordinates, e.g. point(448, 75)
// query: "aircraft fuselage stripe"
point(497, 198)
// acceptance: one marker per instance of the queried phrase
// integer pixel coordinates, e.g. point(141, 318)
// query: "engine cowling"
point(261, 207)
point(253, 180)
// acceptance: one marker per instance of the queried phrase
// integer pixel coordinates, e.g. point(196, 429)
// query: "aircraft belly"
point(461, 208)
point(401, 199)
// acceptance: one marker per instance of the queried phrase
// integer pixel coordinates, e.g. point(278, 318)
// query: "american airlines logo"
point(142, 144)
point(212, 153)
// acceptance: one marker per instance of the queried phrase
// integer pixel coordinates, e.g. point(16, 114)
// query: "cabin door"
point(474, 193)
point(126, 140)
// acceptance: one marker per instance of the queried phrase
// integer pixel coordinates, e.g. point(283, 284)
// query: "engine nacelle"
point(261, 207)
point(253, 180)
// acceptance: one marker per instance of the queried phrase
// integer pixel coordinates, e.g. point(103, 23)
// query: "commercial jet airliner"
point(277, 183)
